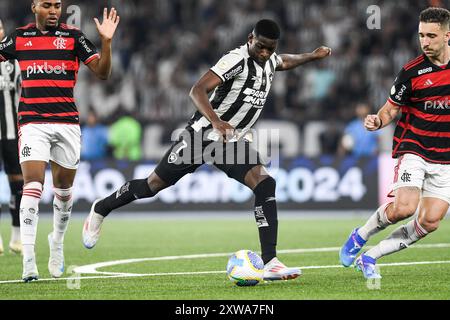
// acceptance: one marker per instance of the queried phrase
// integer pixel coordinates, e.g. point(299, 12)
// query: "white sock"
point(62, 208)
point(15, 234)
point(29, 217)
point(400, 239)
point(377, 222)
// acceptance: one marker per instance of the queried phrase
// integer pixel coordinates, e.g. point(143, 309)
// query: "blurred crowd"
point(163, 47)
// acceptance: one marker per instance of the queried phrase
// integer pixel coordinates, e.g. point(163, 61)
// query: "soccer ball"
point(245, 268)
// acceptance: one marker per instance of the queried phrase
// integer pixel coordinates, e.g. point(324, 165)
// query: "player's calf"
point(129, 192)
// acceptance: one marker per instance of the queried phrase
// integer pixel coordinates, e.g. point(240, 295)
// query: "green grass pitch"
point(127, 238)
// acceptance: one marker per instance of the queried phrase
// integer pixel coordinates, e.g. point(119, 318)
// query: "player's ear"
point(33, 6)
point(250, 37)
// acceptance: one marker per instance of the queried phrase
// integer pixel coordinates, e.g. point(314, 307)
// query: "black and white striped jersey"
point(10, 80)
point(241, 96)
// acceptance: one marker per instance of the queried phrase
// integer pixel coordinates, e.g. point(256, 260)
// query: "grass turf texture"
point(127, 239)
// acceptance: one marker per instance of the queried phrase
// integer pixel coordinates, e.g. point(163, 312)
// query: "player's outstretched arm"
point(385, 116)
point(291, 61)
point(102, 67)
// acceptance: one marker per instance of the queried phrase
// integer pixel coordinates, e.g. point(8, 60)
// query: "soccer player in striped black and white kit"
point(9, 90)
point(49, 55)
point(240, 83)
point(421, 144)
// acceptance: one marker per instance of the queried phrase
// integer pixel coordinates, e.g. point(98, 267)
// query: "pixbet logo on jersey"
point(46, 68)
point(437, 104)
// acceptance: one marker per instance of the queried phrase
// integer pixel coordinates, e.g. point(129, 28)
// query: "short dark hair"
point(436, 15)
point(268, 29)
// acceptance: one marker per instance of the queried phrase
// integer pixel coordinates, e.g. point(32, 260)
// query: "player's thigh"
point(33, 171)
point(242, 163)
point(34, 151)
point(34, 143)
point(431, 212)
point(183, 157)
point(409, 172)
point(409, 176)
point(66, 146)
point(406, 202)
point(437, 183)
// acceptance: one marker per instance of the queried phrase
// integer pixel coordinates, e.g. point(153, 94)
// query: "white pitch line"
point(91, 269)
point(135, 275)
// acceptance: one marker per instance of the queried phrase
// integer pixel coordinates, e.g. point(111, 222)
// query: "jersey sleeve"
point(401, 89)
point(85, 50)
point(18, 77)
point(229, 66)
point(8, 48)
point(278, 60)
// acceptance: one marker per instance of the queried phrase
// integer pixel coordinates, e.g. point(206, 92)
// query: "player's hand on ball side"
point(322, 52)
point(372, 122)
point(224, 129)
point(109, 25)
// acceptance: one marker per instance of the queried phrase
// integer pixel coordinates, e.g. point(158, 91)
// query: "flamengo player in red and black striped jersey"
point(49, 55)
point(421, 144)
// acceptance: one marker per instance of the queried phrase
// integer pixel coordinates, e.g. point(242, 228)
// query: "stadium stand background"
point(162, 47)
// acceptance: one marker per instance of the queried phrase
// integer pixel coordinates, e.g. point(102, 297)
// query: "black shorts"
point(9, 152)
point(191, 151)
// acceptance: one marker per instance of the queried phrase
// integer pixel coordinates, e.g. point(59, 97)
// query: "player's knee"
point(402, 211)
point(266, 187)
point(62, 184)
point(428, 224)
point(155, 183)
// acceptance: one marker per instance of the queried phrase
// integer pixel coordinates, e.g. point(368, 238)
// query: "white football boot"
point(30, 271)
point(275, 270)
point(92, 227)
point(56, 260)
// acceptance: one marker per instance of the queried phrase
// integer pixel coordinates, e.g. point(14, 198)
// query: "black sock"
point(14, 204)
point(130, 191)
point(266, 218)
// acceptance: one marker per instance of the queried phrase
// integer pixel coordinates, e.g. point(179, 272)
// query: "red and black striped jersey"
point(49, 65)
point(422, 89)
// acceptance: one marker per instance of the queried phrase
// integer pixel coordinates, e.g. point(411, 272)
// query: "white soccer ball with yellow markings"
point(245, 268)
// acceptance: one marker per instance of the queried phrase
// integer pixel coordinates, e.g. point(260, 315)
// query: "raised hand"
point(109, 25)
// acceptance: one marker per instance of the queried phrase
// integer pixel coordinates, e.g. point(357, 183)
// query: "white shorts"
point(433, 179)
point(60, 143)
